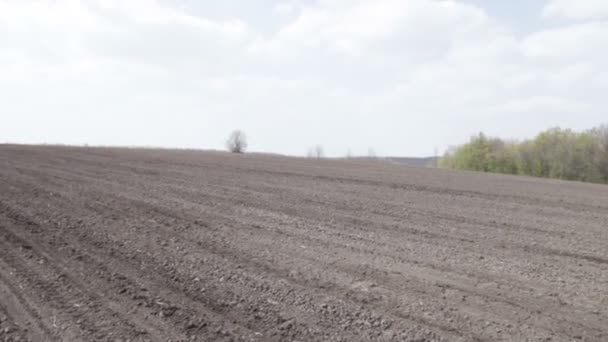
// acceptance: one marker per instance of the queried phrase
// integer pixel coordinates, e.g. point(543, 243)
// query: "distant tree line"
point(554, 153)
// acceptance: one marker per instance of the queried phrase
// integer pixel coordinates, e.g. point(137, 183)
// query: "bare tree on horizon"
point(371, 153)
point(316, 152)
point(237, 142)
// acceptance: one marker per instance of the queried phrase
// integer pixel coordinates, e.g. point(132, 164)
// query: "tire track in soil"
point(241, 261)
point(85, 313)
point(18, 321)
point(145, 292)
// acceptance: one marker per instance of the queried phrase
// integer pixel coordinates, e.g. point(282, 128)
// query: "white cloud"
point(419, 26)
point(576, 9)
point(402, 76)
point(584, 41)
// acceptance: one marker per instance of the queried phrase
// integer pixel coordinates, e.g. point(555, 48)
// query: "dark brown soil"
point(104, 244)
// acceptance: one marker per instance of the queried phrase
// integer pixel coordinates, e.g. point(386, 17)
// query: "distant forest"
point(554, 153)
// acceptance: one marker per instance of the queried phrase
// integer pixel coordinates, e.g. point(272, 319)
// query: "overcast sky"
point(400, 76)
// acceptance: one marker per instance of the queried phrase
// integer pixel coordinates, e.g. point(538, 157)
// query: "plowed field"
point(100, 244)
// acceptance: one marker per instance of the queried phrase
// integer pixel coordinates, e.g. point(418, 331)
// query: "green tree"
point(601, 134)
point(555, 153)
